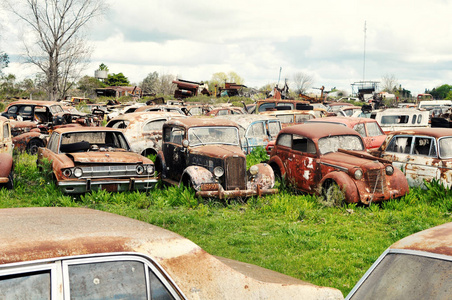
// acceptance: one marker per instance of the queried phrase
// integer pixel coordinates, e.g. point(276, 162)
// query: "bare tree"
point(165, 84)
point(58, 48)
point(302, 82)
point(389, 83)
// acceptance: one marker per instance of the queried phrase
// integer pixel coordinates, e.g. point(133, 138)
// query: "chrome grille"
point(109, 171)
point(235, 173)
point(377, 180)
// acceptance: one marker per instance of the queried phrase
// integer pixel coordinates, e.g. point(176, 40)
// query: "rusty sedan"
point(87, 158)
point(79, 253)
point(416, 267)
point(423, 154)
point(205, 154)
point(320, 159)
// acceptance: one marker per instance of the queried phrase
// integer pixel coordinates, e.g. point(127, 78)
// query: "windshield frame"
point(321, 142)
point(201, 142)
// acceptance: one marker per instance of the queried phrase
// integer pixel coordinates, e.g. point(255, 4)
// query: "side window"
point(360, 129)
point(285, 140)
point(256, 130)
point(424, 146)
point(33, 285)
point(400, 144)
point(6, 131)
point(303, 144)
point(154, 125)
point(53, 142)
point(413, 121)
point(222, 112)
point(174, 135)
point(12, 110)
point(373, 129)
point(25, 110)
point(419, 119)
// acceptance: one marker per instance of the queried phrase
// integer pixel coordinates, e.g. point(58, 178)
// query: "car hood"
point(107, 157)
point(217, 150)
point(347, 160)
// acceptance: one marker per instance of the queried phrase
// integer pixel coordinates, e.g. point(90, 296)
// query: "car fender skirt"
point(346, 184)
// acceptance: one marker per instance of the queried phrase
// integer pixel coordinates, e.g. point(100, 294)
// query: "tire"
point(10, 184)
point(33, 145)
point(332, 195)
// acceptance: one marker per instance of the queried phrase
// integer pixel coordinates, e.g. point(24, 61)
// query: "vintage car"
point(256, 130)
point(88, 158)
point(422, 154)
point(143, 130)
point(165, 108)
point(291, 117)
point(80, 253)
point(348, 111)
point(205, 153)
point(416, 267)
point(27, 136)
point(334, 107)
point(6, 155)
point(224, 111)
point(369, 129)
point(318, 159)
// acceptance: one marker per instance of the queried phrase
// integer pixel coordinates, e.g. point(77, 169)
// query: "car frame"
point(208, 164)
point(84, 159)
point(309, 157)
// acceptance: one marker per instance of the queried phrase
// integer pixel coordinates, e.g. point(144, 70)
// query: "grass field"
point(289, 233)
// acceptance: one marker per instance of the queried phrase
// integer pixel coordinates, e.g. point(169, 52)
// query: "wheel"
point(33, 145)
point(332, 195)
point(10, 184)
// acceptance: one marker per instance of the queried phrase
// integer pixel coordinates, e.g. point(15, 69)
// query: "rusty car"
point(6, 155)
point(320, 159)
point(143, 130)
point(224, 111)
point(415, 267)
point(27, 136)
point(423, 154)
point(87, 159)
point(369, 129)
point(256, 130)
point(291, 117)
point(81, 253)
point(205, 153)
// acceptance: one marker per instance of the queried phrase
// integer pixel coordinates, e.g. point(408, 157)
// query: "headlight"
point(150, 169)
point(140, 169)
point(358, 174)
point(67, 172)
point(389, 170)
point(218, 172)
point(254, 170)
point(78, 172)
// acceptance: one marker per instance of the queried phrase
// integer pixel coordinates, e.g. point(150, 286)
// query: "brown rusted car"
point(79, 253)
point(6, 155)
point(319, 159)
point(416, 267)
point(87, 158)
point(27, 136)
point(423, 154)
point(205, 153)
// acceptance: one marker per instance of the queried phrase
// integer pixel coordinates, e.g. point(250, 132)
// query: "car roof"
point(434, 132)
point(434, 240)
point(85, 129)
point(314, 131)
point(246, 119)
point(344, 120)
point(35, 233)
point(35, 102)
point(146, 115)
point(201, 121)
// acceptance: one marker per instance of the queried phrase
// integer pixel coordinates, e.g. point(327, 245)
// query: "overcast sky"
point(255, 38)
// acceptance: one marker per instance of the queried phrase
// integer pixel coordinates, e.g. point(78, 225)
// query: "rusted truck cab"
point(6, 154)
point(205, 153)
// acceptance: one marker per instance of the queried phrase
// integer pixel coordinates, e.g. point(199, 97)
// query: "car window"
point(174, 135)
point(400, 119)
point(30, 285)
point(53, 142)
point(334, 142)
point(12, 110)
point(6, 130)
point(303, 144)
point(222, 112)
point(286, 119)
point(25, 110)
point(284, 140)
point(424, 146)
point(274, 128)
point(302, 118)
point(373, 129)
point(256, 130)
point(400, 144)
point(360, 129)
point(121, 124)
point(445, 147)
point(154, 125)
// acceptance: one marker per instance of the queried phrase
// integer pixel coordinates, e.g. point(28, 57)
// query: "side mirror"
point(185, 143)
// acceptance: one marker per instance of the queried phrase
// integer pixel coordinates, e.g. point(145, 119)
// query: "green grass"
point(289, 233)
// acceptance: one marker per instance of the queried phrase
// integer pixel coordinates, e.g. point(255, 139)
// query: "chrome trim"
point(334, 166)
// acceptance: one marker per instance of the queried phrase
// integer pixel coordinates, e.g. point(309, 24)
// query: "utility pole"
point(364, 58)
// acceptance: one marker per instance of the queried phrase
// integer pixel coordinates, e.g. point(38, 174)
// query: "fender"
point(198, 175)
point(160, 159)
point(21, 141)
point(6, 164)
point(276, 161)
point(345, 183)
point(265, 177)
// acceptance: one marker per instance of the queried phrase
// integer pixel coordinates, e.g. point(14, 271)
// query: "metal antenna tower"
point(364, 58)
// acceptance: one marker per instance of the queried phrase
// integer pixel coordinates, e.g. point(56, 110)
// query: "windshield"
point(334, 142)
point(82, 141)
point(213, 135)
point(445, 147)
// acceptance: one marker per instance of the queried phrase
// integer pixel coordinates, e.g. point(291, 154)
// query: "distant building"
point(119, 91)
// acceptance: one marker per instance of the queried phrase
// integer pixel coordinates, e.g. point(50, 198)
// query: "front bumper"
point(112, 185)
point(221, 193)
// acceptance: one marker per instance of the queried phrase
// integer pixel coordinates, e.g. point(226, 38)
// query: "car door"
point(175, 154)
point(419, 165)
point(398, 151)
point(302, 164)
point(6, 143)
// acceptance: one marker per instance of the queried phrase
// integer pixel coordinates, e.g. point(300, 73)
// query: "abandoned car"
point(6, 155)
point(422, 154)
point(369, 129)
point(205, 153)
point(415, 267)
point(256, 130)
point(88, 158)
point(80, 253)
point(143, 130)
point(319, 159)
point(27, 136)
point(291, 117)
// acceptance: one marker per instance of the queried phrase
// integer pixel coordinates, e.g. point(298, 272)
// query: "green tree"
point(4, 61)
point(441, 92)
point(220, 78)
point(88, 85)
point(117, 80)
point(103, 67)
